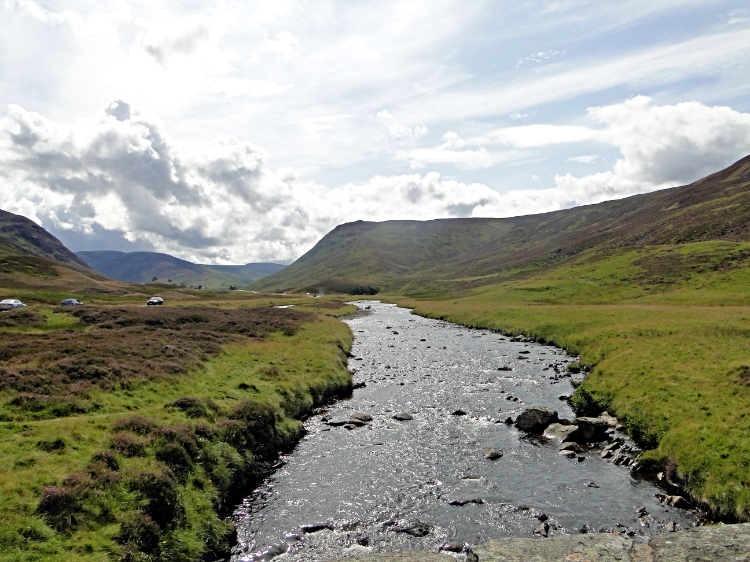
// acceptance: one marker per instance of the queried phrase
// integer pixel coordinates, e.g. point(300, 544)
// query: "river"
point(355, 488)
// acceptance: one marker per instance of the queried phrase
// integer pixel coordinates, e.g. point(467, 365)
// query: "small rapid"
point(417, 484)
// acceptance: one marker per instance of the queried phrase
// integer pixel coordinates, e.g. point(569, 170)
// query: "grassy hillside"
point(450, 255)
point(142, 267)
point(21, 237)
point(128, 433)
point(664, 330)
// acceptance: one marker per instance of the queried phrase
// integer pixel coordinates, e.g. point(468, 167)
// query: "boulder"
point(314, 528)
point(356, 422)
point(542, 530)
point(492, 454)
point(361, 416)
point(591, 430)
point(535, 419)
point(567, 453)
point(414, 528)
point(571, 446)
point(458, 412)
point(403, 416)
point(465, 501)
point(561, 432)
point(453, 546)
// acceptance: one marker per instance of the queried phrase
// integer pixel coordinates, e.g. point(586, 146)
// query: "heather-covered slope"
point(454, 254)
point(20, 236)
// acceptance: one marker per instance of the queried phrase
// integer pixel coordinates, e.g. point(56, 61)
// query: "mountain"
point(441, 255)
point(20, 236)
point(142, 267)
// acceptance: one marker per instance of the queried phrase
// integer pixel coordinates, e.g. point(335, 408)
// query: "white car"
point(7, 304)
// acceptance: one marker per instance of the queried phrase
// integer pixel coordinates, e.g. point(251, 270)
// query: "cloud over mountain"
point(222, 202)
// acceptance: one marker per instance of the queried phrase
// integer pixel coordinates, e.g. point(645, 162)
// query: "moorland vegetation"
point(130, 432)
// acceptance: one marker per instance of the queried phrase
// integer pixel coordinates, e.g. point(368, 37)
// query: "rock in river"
point(591, 430)
point(361, 416)
point(314, 528)
point(561, 432)
point(535, 419)
point(571, 446)
point(492, 454)
point(414, 528)
point(458, 412)
point(403, 416)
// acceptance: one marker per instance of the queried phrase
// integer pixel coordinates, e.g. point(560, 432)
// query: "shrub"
point(233, 433)
point(61, 508)
point(52, 445)
point(107, 459)
point(126, 444)
point(195, 407)
point(176, 458)
point(205, 431)
point(136, 424)
point(140, 531)
point(260, 426)
point(159, 491)
point(183, 436)
point(642, 431)
point(586, 404)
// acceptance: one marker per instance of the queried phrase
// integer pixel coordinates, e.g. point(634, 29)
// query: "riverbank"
point(129, 433)
point(675, 374)
point(715, 543)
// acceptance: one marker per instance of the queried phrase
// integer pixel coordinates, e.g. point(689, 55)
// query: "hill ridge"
point(20, 236)
point(142, 267)
point(398, 256)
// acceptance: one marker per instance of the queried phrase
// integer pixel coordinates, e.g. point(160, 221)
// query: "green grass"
point(282, 377)
point(667, 331)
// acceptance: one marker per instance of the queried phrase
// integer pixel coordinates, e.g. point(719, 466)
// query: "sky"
point(230, 132)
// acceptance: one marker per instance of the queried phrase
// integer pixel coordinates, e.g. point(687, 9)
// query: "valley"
point(133, 432)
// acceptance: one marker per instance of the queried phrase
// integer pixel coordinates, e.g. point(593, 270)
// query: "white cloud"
point(233, 87)
point(585, 159)
point(540, 58)
point(661, 146)
point(283, 44)
point(538, 135)
point(398, 130)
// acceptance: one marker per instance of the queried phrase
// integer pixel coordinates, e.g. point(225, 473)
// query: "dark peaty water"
point(367, 483)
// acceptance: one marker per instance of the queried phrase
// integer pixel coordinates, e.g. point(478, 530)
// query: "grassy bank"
point(128, 433)
point(665, 331)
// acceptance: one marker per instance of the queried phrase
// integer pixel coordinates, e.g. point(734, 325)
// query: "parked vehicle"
point(155, 301)
point(9, 304)
point(71, 302)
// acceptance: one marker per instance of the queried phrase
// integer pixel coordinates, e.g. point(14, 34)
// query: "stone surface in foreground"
point(593, 548)
point(730, 543)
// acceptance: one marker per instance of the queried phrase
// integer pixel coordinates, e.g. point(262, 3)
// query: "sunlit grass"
point(667, 330)
point(288, 373)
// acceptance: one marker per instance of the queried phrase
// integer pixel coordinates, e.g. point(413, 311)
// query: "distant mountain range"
point(416, 257)
point(142, 267)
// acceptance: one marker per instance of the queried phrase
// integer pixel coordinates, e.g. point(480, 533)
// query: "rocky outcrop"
point(591, 430)
point(702, 544)
point(535, 419)
point(562, 433)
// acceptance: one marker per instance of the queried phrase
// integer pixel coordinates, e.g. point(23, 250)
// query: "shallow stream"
point(355, 488)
